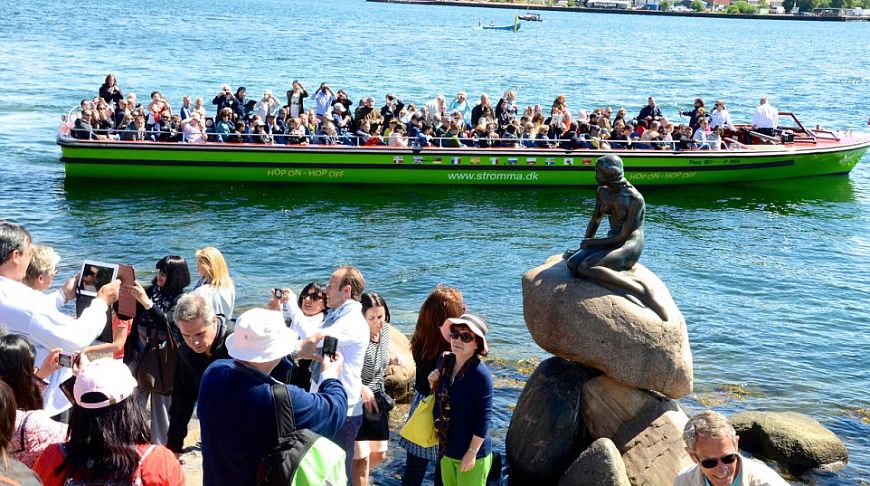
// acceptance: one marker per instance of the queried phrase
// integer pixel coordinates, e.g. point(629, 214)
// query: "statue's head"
point(609, 169)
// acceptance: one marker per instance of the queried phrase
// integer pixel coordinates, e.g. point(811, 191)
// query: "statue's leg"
point(622, 280)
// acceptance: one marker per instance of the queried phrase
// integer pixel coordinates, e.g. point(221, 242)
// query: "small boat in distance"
point(531, 17)
point(515, 27)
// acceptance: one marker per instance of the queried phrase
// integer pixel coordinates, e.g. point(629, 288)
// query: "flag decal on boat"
point(475, 160)
point(587, 161)
point(493, 160)
point(512, 161)
point(436, 160)
point(455, 160)
point(568, 161)
point(418, 160)
point(550, 161)
point(531, 161)
point(398, 159)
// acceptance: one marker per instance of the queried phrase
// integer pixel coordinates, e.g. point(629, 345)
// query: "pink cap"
point(108, 376)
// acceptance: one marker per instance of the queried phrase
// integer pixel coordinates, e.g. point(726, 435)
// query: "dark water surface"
point(772, 278)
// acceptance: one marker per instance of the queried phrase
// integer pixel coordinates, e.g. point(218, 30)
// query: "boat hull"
point(497, 167)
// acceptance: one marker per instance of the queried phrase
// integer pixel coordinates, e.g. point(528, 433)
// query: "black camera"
point(330, 345)
point(278, 293)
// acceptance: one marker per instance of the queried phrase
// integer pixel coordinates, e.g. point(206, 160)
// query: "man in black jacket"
point(205, 336)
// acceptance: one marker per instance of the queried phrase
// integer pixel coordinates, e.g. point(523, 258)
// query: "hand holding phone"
point(330, 345)
point(66, 359)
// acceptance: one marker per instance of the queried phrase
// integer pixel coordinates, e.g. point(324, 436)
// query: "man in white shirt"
point(35, 315)
point(345, 322)
point(765, 118)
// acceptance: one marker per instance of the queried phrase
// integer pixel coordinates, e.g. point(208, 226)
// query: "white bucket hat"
point(261, 336)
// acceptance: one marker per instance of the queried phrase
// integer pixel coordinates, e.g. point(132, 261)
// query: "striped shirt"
point(376, 359)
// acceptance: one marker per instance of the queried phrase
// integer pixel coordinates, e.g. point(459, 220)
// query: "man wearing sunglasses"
point(712, 444)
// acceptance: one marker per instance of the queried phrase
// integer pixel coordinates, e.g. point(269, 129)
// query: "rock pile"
point(602, 411)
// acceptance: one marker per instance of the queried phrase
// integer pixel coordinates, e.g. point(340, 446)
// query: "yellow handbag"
point(420, 427)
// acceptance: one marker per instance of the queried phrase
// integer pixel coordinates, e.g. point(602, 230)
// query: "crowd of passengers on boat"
point(332, 120)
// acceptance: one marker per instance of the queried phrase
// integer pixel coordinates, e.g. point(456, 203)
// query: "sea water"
point(772, 278)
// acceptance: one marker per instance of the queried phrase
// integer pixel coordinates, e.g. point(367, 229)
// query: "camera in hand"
point(330, 344)
point(278, 293)
point(66, 359)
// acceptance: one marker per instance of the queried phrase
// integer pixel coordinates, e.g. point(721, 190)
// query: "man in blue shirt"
point(235, 407)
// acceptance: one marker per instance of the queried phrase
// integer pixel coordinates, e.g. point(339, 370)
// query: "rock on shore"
point(609, 330)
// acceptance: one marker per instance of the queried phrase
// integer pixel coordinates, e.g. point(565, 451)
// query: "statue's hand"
point(568, 253)
point(586, 243)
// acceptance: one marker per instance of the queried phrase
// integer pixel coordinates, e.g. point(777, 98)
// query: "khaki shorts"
point(364, 448)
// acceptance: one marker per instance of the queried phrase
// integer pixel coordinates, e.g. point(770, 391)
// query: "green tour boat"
point(795, 151)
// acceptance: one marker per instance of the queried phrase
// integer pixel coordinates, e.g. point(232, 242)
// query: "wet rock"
point(609, 330)
point(399, 379)
point(644, 426)
point(546, 432)
point(599, 465)
point(794, 440)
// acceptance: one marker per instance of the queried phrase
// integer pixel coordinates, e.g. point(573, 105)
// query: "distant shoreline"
point(517, 6)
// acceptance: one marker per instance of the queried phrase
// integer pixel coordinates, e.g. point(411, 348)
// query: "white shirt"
point(765, 116)
point(299, 322)
point(352, 332)
point(721, 118)
point(36, 315)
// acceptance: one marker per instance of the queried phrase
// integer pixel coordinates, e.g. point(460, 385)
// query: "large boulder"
point(399, 379)
point(546, 432)
point(608, 329)
point(599, 465)
point(794, 440)
point(644, 426)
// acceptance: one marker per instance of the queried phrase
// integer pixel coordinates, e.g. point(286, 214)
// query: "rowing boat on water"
point(803, 153)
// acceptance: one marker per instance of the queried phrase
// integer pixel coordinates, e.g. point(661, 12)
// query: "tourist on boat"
point(225, 124)
point(199, 107)
point(370, 447)
point(84, 127)
point(460, 104)
point(685, 140)
point(505, 109)
point(694, 113)
point(368, 112)
point(120, 117)
point(245, 108)
point(295, 98)
point(376, 139)
point(398, 138)
point(719, 117)
point(103, 123)
point(186, 109)
point(268, 105)
point(214, 281)
point(392, 107)
point(342, 97)
point(463, 389)
point(510, 137)
point(484, 108)
point(135, 130)
point(168, 129)
point(132, 104)
point(436, 105)
point(341, 119)
point(260, 135)
point(157, 107)
point(34, 430)
point(427, 346)
point(765, 118)
point(225, 99)
point(424, 137)
point(650, 112)
point(295, 133)
point(328, 134)
point(702, 137)
point(193, 130)
point(560, 115)
point(238, 133)
point(323, 99)
point(452, 137)
point(275, 128)
point(109, 91)
point(109, 438)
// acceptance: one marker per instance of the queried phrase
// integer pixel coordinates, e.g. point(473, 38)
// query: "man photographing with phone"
point(36, 315)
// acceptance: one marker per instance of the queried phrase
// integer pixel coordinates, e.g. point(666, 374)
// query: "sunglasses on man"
point(713, 462)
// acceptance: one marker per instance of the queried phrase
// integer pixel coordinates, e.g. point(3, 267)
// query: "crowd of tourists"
point(333, 120)
point(313, 362)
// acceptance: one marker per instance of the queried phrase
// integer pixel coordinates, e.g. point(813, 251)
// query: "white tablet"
point(94, 275)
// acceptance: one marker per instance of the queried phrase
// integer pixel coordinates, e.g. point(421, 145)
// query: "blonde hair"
point(43, 260)
point(212, 261)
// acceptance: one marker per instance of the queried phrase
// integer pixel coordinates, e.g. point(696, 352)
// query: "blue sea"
point(773, 278)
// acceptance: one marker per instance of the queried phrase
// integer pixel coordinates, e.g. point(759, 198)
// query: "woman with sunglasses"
point(427, 346)
point(153, 317)
point(306, 314)
point(711, 442)
point(463, 390)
